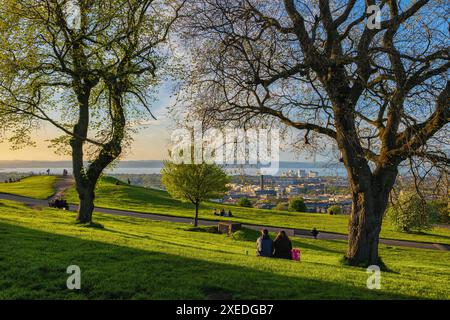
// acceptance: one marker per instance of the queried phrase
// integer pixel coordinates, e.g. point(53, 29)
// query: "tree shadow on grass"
point(34, 263)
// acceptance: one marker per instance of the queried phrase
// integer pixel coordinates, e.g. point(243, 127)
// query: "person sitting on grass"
point(264, 245)
point(282, 246)
point(215, 212)
point(222, 212)
point(229, 213)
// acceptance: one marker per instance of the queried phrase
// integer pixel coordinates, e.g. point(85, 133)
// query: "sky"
point(150, 143)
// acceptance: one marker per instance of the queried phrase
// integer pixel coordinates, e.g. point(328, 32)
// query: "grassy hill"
point(132, 258)
point(39, 187)
point(139, 199)
point(145, 200)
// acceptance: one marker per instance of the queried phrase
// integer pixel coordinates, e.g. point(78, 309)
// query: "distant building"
point(269, 192)
point(313, 174)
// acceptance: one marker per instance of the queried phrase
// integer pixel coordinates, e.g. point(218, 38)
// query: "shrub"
point(281, 206)
point(411, 213)
point(335, 210)
point(297, 205)
point(442, 207)
point(244, 202)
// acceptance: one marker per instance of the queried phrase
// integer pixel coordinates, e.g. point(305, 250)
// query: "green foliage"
point(412, 213)
point(335, 210)
point(443, 209)
point(297, 205)
point(281, 206)
point(194, 182)
point(244, 202)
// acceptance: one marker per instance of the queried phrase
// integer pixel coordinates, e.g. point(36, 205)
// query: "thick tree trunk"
point(366, 219)
point(196, 215)
point(86, 208)
point(364, 228)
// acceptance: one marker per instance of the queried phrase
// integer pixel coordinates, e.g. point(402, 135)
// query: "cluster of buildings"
point(266, 192)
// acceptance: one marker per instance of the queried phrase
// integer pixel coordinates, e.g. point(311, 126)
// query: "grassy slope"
point(39, 187)
point(138, 258)
point(124, 197)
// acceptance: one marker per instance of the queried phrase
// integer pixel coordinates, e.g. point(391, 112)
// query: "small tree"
point(335, 209)
point(244, 202)
point(410, 212)
point(281, 206)
point(194, 182)
point(297, 204)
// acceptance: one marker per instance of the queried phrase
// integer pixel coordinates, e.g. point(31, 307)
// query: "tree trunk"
point(365, 222)
point(196, 214)
point(86, 208)
point(364, 229)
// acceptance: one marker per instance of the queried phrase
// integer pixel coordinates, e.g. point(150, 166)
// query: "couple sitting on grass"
point(280, 248)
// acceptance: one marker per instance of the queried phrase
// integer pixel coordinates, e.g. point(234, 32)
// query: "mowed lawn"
point(132, 258)
point(125, 197)
point(39, 187)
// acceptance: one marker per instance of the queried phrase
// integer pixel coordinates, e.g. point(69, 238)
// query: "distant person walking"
point(264, 245)
point(48, 172)
point(282, 246)
point(129, 181)
point(314, 233)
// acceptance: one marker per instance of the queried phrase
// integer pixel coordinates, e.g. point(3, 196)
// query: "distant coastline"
point(4, 164)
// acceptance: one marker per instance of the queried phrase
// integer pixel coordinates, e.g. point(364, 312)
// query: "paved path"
point(292, 232)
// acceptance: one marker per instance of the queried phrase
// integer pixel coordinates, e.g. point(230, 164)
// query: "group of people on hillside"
point(223, 213)
point(12, 180)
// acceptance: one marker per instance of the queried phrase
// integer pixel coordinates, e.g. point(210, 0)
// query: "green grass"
point(132, 258)
point(139, 199)
point(39, 187)
point(125, 197)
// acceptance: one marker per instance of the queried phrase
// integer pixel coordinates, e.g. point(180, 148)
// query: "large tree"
point(87, 67)
point(379, 92)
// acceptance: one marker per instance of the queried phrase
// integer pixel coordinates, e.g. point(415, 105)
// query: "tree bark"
point(366, 219)
point(86, 208)
point(196, 214)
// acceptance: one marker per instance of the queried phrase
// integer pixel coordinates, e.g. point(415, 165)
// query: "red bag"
point(295, 254)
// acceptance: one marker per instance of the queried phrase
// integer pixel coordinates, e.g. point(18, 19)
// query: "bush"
point(281, 206)
point(442, 207)
point(411, 213)
point(246, 235)
point(297, 205)
point(244, 202)
point(335, 210)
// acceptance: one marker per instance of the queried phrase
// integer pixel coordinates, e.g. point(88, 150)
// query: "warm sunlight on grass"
point(39, 187)
point(132, 258)
point(125, 197)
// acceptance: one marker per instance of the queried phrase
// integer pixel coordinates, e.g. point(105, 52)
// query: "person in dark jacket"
point(264, 245)
point(282, 246)
point(315, 233)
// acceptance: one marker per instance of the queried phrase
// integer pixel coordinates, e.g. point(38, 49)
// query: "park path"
point(61, 185)
point(65, 182)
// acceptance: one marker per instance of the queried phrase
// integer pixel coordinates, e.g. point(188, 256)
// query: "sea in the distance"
point(149, 170)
